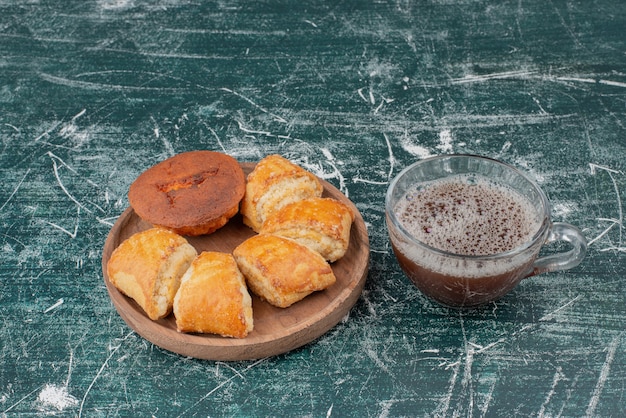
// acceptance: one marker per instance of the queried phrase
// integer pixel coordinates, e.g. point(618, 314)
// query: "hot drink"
point(465, 216)
point(466, 229)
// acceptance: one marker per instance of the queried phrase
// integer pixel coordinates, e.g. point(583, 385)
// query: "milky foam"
point(468, 215)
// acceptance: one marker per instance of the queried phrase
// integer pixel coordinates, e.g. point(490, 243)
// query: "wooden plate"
point(276, 330)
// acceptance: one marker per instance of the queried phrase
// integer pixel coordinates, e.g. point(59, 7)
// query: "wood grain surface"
point(93, 92)
point(276, 330)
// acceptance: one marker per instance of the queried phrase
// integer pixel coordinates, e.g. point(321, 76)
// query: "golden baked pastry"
point(192, 193)
point(213, 298)
point(280, 270)
point(322, 224)
point(147, 267)
point(275, 182)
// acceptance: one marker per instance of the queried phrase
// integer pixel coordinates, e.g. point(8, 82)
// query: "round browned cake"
point(192, 193)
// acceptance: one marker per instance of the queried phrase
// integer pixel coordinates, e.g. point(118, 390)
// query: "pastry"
point(280, 270)
point(322, 224)
point(275, 182)
point(213, 298)
point(192, 193)
point(147, 267)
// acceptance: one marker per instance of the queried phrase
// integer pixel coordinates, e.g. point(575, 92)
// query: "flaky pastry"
point(322, 224)
point(148, 267)
point(280, 270)
point(213, 298)
point(275, 182)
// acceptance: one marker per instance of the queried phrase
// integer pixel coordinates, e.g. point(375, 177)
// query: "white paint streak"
point(360, 92)
point(546, 317)
point(442, 409)
point(380, 106)
point(71, 131)
point(390, 158)
point(221, 385)
point(55, 168)
point(392, 164)
point(166, 143)
point(386, 408)
point(318, 171)
point(54, 306)
point(22, 399)
point(14, 190)
point(412, 148)
point(108, 221)
point(55, 397)
point(373, 355)
point(550, 315)
point(360, 180)
point(47, 132)
point(620, 219)
point(466, 382)
point(505, 147)
point(604, 374)
point(232, 369)
point(555, 381)
point(229, 31)
point(115, 87)
point(115, 4)
point(12, 127)
point(251, 131)
point(488, 346)
point(539, 105)
point(310, 23)
point(492, 76)
point(71, 234)
point(577, 79)
point(488, 399)
point(445, 141)
point(593, 167)
point(614, 222)
point(217, 138)
point(276, 117)
point(612, 83)
point(93, 382)
point(79, 114)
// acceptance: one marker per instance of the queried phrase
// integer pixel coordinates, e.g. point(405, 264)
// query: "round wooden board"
point(276, 330)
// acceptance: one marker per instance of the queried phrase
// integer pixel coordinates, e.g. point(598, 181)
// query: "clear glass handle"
point(565, 260)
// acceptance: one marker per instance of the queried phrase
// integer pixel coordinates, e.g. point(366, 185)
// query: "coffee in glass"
point(466, 229)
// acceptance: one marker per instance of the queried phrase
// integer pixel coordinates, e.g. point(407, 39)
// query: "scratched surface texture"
point(94, 92)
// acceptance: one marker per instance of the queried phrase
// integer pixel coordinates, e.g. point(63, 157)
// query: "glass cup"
point(446, 241)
